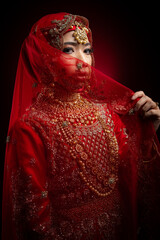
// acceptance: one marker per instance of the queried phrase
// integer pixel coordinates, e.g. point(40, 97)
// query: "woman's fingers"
point(152, 112)
point(147, 108)
point(145, 103)
point(148, 105)
point(138, 94)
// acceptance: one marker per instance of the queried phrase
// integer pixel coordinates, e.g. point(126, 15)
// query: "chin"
point(80, 90)
point(77, 89)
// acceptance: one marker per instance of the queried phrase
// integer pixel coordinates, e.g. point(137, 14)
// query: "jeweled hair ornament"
point(80, 33)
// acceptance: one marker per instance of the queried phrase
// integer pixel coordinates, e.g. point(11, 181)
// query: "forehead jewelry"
point(80, 33)
point(79, 65)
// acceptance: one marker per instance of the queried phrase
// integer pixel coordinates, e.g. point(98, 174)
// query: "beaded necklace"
point(78, 112)
point(83, 113)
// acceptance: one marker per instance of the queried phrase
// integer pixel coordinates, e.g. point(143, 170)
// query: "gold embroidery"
point(131, 111)
point(8, 139)
point(54, 33)
point(44, 194)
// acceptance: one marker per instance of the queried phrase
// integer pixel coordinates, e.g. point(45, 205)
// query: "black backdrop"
point(125, 35)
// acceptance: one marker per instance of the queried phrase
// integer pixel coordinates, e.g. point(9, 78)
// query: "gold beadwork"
point(8, 139)
point(80, 33)
point(99, 179)
point(105, 181)
point(77, 112)
point(44, 194)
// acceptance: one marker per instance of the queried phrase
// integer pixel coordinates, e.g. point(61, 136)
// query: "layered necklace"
point(78, 112)
point(81, 112)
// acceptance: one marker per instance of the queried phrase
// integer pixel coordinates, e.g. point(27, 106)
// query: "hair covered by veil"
point(42, 65)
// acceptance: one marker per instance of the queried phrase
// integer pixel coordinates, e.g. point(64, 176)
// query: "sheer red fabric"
point(41, 202)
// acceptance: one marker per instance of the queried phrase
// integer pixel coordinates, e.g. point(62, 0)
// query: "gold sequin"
point(44, 194)
point(8, 139)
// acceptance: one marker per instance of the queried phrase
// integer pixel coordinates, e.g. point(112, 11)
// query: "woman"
point(80, 162)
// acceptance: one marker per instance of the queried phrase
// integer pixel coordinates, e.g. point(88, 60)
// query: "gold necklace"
point(88, 169)
point(78, 112)
point(82, 112)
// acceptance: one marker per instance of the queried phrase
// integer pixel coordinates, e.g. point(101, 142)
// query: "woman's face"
point(76, 63)
point(75, 49)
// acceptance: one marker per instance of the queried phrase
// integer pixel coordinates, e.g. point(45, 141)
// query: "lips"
point(81, 75)
point(81, 78)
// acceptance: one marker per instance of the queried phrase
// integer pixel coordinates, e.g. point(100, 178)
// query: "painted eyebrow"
point(75, 44)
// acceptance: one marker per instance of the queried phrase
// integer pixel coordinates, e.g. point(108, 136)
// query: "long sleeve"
point(25, 186)
point(142, 176)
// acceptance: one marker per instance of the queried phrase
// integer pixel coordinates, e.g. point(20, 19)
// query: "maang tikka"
point(80, 32)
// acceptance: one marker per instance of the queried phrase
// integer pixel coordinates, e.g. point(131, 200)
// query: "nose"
point(81, 64)
point(81, 56)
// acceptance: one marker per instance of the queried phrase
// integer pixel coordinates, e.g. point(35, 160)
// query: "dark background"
point(125, 35)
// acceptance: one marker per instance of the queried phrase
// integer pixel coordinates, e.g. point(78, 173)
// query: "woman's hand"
point(147, 108)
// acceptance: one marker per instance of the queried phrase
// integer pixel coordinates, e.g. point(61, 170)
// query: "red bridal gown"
point(47, 196)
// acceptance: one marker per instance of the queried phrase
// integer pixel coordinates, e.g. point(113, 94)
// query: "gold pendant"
point(80, 33)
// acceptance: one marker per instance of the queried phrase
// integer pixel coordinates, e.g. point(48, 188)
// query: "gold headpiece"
point(80, 32)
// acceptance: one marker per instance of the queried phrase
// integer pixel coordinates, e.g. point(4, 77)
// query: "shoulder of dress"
point(108, 111)
point(20, 127)
point(104, 107)
point(37, 117)
point(35, 124)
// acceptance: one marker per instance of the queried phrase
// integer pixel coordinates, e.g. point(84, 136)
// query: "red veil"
point(36, 72)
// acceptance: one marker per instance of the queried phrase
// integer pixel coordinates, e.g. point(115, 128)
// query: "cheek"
point(70, 69)
point(68, 64)
point(89, 60)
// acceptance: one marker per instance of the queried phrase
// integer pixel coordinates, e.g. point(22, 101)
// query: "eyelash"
point(68, 49)
point(89, 49)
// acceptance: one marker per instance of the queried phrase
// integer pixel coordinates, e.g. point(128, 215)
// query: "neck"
point(64, 95)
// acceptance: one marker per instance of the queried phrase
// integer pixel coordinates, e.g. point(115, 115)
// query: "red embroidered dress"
point(86, 169)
